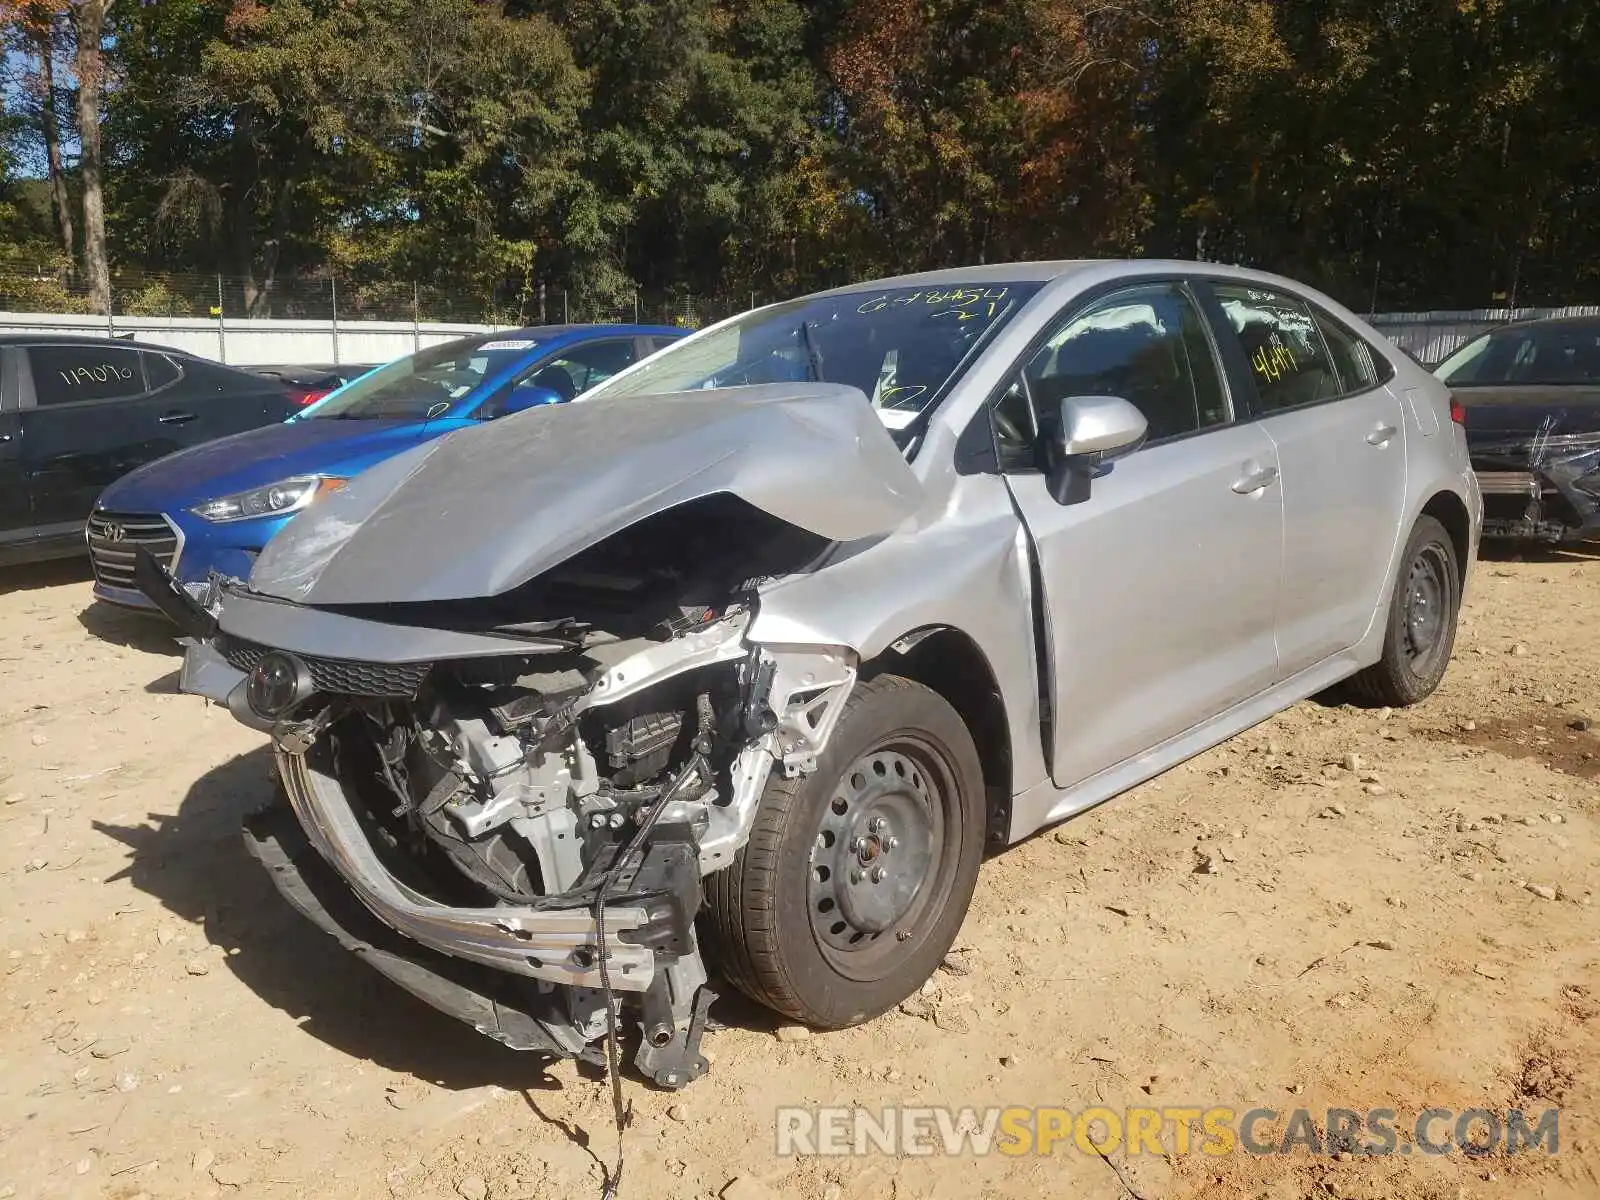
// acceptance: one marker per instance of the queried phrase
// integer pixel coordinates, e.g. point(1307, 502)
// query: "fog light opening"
point(278, 684)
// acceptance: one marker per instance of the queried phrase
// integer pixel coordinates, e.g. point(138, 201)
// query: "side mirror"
point(1090, 432)
point(529, 396)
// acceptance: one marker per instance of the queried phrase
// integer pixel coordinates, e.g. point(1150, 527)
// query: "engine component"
point(639, 750)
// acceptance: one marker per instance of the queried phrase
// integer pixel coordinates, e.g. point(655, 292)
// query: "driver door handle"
point(1381, 435)
point(175, 418)
point(1255, 480)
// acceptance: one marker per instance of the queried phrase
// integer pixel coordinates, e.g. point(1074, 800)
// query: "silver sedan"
point(757, 646)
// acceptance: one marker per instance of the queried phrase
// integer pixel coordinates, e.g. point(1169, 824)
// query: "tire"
point(1421, 630)
point(788, 921)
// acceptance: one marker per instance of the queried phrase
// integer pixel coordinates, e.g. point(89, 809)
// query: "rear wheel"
point(1422, 622)
point(856, 877)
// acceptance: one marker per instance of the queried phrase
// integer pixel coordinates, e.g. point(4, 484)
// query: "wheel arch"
point(950, 662)
point(1446, 507)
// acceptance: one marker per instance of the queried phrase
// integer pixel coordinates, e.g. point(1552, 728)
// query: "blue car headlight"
point(273, 500)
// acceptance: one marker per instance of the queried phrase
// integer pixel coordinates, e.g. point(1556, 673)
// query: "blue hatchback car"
point(212, 507)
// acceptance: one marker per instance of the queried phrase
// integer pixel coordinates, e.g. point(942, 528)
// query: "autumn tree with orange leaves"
point(1399, 153)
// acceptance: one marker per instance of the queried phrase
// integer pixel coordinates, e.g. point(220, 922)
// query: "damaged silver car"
point(738, 664)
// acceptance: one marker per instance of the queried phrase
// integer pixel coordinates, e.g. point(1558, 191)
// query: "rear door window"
point(73, 374)
point(1288, 360)
point(591, 365)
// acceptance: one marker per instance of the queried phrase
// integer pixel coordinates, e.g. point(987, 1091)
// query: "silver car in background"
point(756, 648)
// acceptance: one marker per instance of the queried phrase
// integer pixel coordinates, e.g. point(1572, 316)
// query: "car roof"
point(83, 339)
point(1050, 270)
point(1011, 272)
point(1545, 323)
point(551, 332)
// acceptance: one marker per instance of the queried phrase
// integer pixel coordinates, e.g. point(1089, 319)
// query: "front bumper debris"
point(417, 775)
point(554, 941)
point(507, 1008)
point(206, 673)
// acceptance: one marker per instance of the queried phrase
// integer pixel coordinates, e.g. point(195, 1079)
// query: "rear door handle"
point(175, 418)
point(1255, 480)
point(1381, 435)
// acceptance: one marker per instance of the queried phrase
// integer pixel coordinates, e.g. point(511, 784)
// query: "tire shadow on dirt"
point(195, 863)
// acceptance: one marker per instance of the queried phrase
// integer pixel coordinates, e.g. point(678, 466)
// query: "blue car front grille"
point(113, 538)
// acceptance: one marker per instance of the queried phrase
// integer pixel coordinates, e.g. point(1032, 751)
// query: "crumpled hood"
point(261, 456)
point(488, 508)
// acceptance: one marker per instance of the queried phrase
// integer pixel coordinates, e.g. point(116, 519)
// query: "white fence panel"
point(255, 342)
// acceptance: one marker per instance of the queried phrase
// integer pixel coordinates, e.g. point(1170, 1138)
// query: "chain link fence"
point(50, 287)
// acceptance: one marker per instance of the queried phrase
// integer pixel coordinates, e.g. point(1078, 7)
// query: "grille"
point(337, 675)
point(113, 537)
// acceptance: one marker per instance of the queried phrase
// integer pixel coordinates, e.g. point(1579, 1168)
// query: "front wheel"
point(856, 877)
point(1422, 622)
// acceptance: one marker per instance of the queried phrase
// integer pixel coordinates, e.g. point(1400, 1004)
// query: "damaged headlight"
point(275, 499)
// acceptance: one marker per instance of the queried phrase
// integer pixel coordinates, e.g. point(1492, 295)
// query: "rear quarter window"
point(160, 371)
point(1361, 367)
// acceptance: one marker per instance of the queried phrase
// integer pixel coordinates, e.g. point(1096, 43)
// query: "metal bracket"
point(679, 1063)
point(296, 737)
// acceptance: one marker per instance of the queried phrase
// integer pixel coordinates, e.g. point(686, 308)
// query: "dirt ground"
point(1367, 937)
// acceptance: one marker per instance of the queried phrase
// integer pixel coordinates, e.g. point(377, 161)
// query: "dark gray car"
point(1531, 394)
point(78, 413)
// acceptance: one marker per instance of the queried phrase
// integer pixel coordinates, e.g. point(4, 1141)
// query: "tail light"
point(304, 396)
point(1458, 412)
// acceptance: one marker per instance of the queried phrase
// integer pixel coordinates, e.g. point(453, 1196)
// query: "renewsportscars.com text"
point(1215, 1131)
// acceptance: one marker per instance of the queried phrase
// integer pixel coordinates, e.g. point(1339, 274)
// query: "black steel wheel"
point(856, 878)
point(1421, 630)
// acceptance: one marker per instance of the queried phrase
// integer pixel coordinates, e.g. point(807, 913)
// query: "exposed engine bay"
point(547, 812)
point(515, 734)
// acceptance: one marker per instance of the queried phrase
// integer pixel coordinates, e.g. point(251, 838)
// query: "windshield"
point(433, 382)
point(903, 346)
point(1561, 352)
